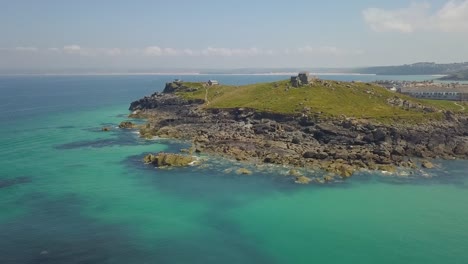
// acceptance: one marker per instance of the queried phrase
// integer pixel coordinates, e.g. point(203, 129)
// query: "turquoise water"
point(70, 193)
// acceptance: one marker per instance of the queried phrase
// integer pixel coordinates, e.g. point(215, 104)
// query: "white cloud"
point(209, 51)
point(157, 51)
point(112, 51)
point(452, 17)
point(54, 49)
point(27, 49)
point(78, 50)
point(153, 51)
point(170, 51)
point(188, 52)
point(324, 50)
point(73, 49)
point(229, 52)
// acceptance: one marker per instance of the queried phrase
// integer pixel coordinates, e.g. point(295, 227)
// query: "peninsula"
point(338, 127)
point(458, 76)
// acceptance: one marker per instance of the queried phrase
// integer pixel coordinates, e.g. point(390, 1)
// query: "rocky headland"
point(304, 132)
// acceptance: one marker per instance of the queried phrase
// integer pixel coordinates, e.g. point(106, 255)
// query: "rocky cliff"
point(339, 145)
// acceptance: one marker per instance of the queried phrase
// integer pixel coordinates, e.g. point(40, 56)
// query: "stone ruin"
point(303, 78)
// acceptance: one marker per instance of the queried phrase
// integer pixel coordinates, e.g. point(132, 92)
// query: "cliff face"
point(157, 100)
point(338, 145)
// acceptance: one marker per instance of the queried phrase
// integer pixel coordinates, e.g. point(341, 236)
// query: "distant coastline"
point(181, 73)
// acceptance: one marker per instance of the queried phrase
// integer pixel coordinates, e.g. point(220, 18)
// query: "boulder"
point(294, 173)
point(147, 132)
point(342, 169)
point(427, 164)
point(296, 140)
point(328, 178)
point(315, 155)
point(168, 160)
point(105, 129)
point(379, 135)
point(302, 180)
point(243, 171)
point(387, 168)
point(461, 148)
point(138, 114)
point(126, 124)
point(168, 132)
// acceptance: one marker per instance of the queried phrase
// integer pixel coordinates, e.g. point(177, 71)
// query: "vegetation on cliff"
point(325, 125)
point(322, 98)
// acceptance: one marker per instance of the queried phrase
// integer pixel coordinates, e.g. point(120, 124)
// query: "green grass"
point(448, 105)
point(328, 98)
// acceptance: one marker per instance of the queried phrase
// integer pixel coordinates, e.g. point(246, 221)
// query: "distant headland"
point(306, 122)
point(458, 76)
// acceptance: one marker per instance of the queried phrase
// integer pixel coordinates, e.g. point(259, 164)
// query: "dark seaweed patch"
point(55, 232)
point(125, 138)
point(10, 182)
point(66, 127)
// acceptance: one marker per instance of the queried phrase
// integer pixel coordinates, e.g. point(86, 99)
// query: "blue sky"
point(117, 34)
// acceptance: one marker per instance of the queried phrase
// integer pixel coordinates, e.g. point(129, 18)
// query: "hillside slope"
point(325, 98)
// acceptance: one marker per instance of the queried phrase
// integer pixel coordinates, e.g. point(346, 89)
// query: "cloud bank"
point(156, 51)
point(451, 17)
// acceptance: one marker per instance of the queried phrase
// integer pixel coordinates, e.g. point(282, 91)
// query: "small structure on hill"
point(303, 78)
point(213, 82)
point(178, 81)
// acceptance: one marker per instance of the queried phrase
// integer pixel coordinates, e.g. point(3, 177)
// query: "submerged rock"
point(168, 160)
point(147, 132)
point(387, 168)
point(10, 182)
point(344, 170)
point(105, 129)
point(427, 164)
point(243, 171)
point(328, 178)
point(302, 180)
point(294, 172)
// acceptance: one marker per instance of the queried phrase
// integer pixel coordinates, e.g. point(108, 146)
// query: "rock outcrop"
point(126, 124)
point(168, 160)
point(340, 146)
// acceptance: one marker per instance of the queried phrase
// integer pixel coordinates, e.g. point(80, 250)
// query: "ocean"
point(70, 193)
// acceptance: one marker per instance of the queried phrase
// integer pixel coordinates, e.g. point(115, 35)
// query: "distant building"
point(295, 81)
point(459, 93)
point(303, 78)
point(177, 80)
point(213, 82)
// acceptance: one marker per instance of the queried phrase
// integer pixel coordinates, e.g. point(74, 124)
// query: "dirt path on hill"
point(462, 108)
point(206, 96)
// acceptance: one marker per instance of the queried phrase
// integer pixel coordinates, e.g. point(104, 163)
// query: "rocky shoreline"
point(339, 146)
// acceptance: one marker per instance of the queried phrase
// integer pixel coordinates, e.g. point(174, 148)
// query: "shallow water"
point(70, 193)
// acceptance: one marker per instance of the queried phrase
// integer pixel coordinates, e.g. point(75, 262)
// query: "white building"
point(213, 82)
point(437, 93)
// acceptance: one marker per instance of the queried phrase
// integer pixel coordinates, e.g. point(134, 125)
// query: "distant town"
point(428, 89)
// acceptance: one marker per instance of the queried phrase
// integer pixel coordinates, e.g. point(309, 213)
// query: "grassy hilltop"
point(329, 98)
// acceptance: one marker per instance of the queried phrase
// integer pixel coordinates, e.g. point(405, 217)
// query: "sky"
point(155, 34)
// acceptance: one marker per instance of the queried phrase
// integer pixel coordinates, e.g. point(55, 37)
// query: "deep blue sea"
point(70, 193)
